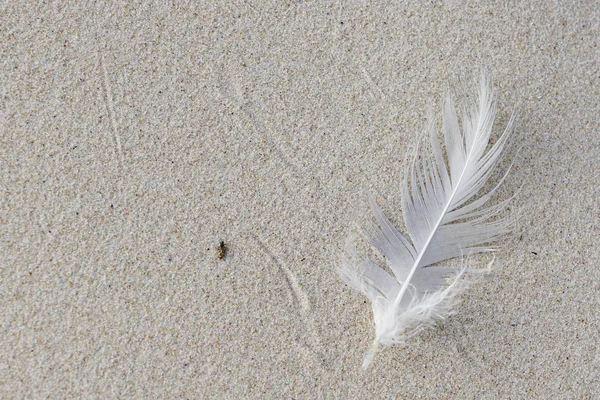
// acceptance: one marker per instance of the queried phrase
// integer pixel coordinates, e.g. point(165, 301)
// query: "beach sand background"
point(137, 137)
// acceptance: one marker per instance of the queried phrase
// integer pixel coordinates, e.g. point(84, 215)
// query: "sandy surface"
point(134, 139)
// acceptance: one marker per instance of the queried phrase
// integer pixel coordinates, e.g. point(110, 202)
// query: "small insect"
point(221, 250)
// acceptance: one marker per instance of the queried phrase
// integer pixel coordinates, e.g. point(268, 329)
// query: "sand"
point(135, 138)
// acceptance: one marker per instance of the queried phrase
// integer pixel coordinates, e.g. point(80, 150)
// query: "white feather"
point(444, 218)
